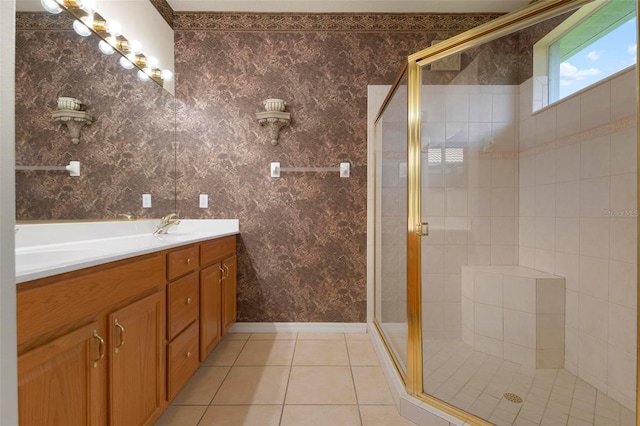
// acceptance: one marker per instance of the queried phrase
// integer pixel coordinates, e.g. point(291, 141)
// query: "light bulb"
point(166, 75)
point(135, 46)
point(89, 6)
point(51, 6)
point(125, 63)
point(152, 62)
point(113, 27)
point(81, 29)
point(105, 48)
point(142, 76)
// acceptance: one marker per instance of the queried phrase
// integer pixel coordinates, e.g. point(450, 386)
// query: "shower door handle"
point(422, 229)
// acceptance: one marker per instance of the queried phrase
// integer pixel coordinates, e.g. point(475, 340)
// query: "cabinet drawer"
point(217, 249)
point(180, 262)
point(183, 359)
point(183, 302)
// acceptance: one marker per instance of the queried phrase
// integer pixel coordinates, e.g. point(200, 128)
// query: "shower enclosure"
point(506, 218)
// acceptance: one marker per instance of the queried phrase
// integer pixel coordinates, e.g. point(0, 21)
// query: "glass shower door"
point(391, 220)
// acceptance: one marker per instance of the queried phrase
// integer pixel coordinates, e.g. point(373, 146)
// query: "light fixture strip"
point(119, 43)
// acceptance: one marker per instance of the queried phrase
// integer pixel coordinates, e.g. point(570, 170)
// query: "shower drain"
point(512, 397)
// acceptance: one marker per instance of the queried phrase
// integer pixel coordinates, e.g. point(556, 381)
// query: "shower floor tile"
point(477, 382)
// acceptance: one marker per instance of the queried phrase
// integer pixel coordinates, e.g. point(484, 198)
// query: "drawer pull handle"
point(188, 354)
point(117, 324)
point(188, 260)
point(100, 348)
point(188, 300)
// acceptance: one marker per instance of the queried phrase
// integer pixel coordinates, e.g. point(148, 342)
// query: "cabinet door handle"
point(226, 270)
point(188, 300)
point(121, 340)
point(221, 273)
point(100, 348)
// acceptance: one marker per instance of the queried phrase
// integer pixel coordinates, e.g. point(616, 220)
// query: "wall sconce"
point(274, 117)
point(69, 112)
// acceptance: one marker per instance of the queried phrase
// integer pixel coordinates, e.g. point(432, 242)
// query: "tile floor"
point(288, 379)
point(476, 382)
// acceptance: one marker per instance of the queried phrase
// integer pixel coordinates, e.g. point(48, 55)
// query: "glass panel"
point(391, 224)
point(529, 272)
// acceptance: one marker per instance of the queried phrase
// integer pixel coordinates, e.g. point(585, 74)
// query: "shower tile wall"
point(469, 197)
point(578, 213)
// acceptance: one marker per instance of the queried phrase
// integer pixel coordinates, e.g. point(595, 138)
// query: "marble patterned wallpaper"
point(302, 250)
point(127, 150)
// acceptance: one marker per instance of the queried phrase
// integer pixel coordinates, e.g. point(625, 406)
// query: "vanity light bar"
point(110, 32)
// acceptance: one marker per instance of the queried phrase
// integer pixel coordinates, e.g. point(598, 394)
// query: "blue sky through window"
point(608, 55)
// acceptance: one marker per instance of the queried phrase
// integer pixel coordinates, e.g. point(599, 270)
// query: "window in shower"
point(595, 48)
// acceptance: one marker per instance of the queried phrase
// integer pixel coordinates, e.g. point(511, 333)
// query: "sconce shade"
point(274, 118)
point(69, 114)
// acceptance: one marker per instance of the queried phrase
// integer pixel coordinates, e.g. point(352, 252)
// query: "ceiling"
point(328, 6)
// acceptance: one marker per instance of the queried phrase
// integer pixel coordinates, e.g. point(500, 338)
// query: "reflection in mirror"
point(129, 148)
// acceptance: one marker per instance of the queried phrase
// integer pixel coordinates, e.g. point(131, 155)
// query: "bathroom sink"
point(48, 249)
point(39, 258)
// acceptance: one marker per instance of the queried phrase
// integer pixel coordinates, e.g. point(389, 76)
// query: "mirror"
point(128, 150)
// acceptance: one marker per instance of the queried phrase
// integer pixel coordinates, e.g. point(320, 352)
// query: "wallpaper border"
point(352, 22)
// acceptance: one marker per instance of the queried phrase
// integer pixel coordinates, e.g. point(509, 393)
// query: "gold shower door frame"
point(515, 21)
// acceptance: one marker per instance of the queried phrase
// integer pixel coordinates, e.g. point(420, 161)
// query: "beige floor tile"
point(320, 385)
point(225, 353)
point(320, 336)
point(361, 352)
point(266, 352)
point(371, 386)
point(321, 352)
point(320, 415)
point(181, 415)
point(236, 336)
point(242, 415)
point(273, 336)
point(201, 388)
point(382, 415)
point(357, 336)
point(253, 385)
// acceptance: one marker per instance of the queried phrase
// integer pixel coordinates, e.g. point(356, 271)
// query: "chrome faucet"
point(166, 222)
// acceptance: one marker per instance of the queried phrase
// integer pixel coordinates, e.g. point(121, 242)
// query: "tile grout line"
point(284, 400)
point(222, 381)
point(353, 380)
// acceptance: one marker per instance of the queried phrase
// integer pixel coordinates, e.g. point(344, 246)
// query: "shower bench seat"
point(514, 313)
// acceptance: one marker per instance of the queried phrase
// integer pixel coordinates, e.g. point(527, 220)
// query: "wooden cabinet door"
point(136, 336)
point(64, 382)
point(210, 309)
point(228, 293)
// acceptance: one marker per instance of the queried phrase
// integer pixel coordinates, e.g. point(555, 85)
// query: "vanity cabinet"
point(91, 345)
point(229, 293)
point(62, 382)
point(113, 344)
point(217, 291)
point(183, 314)
point(136, 360)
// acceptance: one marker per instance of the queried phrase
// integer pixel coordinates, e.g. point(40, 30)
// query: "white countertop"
point(49, 249)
